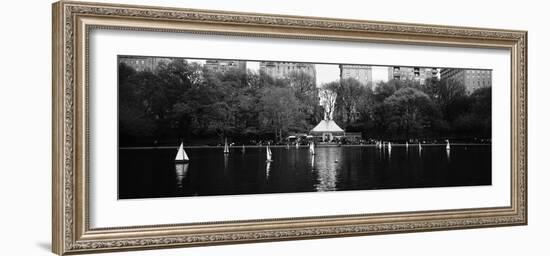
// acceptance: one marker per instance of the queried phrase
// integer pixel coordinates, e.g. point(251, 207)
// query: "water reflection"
point(267, 170)
point(225, 161)
point(332, 168)
point(327, 167)
point(181, 173)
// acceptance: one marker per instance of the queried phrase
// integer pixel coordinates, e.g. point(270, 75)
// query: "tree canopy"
point(182, 100)
point(187, 101)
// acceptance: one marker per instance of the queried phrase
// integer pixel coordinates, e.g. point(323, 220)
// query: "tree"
point(476, 122)
point(306, 92)
point(350, 99)
point(280, 112)
point(365, 110)
point(327, 98)
point(186, 100)
point(179, 73)
point(410, 112)
point(386, 89)
point(449, 95)
point(303, 84)
point(350, 93)
point(136, 120)
point(482, 102)
point(124, 73)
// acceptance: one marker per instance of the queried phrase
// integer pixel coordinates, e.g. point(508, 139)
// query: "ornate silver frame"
point(72, 21)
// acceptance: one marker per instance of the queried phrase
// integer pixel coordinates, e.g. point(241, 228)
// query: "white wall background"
point(25, 114)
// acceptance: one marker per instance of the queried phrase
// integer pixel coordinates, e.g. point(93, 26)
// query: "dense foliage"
point(186, 101)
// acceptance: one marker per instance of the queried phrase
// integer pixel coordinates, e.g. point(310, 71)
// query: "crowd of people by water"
point(366, 142)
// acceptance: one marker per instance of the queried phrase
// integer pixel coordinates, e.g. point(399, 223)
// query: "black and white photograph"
point(275, 127)
point(211, 127)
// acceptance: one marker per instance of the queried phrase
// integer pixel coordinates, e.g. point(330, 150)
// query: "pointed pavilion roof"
point(327, 126)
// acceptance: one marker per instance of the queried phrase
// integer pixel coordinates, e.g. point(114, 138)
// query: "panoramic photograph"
point(191, 127)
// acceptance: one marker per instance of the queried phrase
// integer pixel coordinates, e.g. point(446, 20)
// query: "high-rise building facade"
point(279, 70)
point(472, 79)
point(141, 64)
point(223, 66)
point(419, 74)
point(361, 73)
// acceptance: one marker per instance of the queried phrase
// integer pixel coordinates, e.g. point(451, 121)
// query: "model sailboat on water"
point(268, 154)
point(312, 148)
point(181, 156)
point(226, 148)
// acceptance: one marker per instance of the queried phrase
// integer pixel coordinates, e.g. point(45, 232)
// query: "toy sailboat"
point(226, 148)
point(181, 157)
point(268, 155)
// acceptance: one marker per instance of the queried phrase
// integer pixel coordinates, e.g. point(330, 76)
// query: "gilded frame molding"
point(72, 22)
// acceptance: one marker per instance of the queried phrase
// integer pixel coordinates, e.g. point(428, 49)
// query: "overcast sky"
point(325, 72)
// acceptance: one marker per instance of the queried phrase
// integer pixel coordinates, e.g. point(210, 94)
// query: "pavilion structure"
point(327, 130)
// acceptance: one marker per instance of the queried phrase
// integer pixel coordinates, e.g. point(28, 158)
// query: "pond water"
point(152, 173)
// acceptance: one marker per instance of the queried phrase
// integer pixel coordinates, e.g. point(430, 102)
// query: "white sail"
point(448, 147)
point(297, 145)
point(268, 154)
point(419, 146)
point(226, 148)
point(389, 146)
point(185, 157)
point(312, 148)
point(406, 144)
point(243, 149)
point(181, 156)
